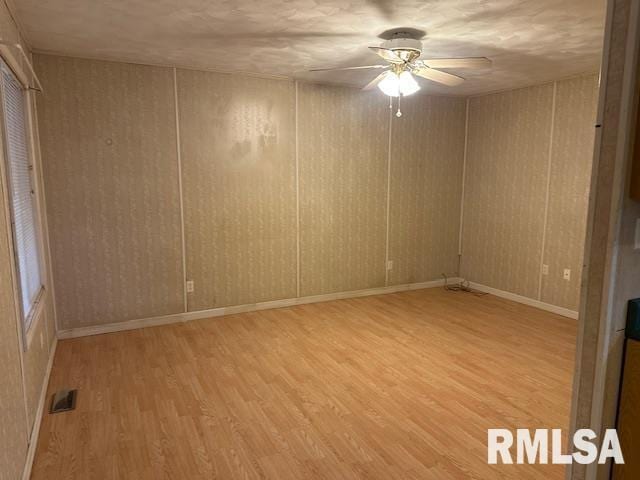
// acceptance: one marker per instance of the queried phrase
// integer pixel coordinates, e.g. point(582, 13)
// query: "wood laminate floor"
point(400, 386)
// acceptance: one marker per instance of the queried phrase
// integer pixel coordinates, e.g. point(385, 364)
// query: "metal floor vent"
point(63, 401)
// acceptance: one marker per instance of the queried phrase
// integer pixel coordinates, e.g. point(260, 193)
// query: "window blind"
point(19, 173)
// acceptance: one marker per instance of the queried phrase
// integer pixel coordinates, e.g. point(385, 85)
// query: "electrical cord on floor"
point(462, 286)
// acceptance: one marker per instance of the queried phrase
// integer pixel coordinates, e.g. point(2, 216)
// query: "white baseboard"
point(217, 312)
point(288, 302)
point(565, 312)
point(35, 431)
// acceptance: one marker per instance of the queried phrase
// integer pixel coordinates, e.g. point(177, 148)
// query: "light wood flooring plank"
point(400, 386)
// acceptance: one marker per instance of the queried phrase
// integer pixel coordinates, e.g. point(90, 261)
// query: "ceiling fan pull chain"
point(399, 113)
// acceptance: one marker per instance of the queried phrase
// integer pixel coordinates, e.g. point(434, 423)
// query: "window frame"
point(28, 320)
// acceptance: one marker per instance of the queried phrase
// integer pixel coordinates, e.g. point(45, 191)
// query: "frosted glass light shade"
point(395, 85)
point(408, 84)
point(390, 84)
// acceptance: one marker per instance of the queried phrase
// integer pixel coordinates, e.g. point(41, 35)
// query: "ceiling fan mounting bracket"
point(402, 32)
point(403, 43)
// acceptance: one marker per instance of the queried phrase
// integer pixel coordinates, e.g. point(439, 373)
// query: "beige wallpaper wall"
point(507, 175)
point(571, 158)
point(426, 172)
point(343, 150)
point(109, 141)
point(237, 138)
point(257, 157)
point(107, 132)
point(505, 188)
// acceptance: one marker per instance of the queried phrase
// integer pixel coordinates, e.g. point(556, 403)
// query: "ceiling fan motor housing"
point(407, 48)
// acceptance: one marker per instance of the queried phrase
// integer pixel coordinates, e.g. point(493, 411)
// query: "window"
point(21, 193)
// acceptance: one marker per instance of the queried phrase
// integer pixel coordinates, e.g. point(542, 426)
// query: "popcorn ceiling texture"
point(530, 42)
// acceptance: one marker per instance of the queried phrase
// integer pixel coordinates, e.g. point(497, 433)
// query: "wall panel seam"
point(386, 254)
point(297, 194)
point(180, 191)
point(548, 189)
point(464, 173)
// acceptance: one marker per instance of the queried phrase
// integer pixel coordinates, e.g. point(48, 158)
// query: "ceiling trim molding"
point(538, 84)
point(266, 76)
point(98, 58)
point(301, 80)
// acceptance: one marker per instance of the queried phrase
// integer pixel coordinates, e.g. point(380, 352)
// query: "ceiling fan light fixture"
point(395, 85)
point(407, 84)
point(401, 52)
point(390, 84)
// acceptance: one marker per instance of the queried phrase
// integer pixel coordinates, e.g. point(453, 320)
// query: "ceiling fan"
point(402, 53)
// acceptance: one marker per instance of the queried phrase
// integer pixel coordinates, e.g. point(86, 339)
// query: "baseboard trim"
point(218, 312)
point(35, 431)
point(565, 312)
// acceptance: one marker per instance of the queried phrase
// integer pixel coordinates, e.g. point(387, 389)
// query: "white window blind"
point(19, 177)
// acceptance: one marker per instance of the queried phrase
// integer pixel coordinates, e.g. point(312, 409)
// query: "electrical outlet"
point(567, 274)
point(190, 286)
point(390, 265)
point(545, 269)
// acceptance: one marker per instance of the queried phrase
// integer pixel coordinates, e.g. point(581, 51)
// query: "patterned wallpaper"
point(108, 142)
point(572, 155)
point(237, 138)
point(111, 171)
point(426, 172)
point(343, 150)
point(506, 188)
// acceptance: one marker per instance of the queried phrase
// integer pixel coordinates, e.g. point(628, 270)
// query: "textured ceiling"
point(529, 41)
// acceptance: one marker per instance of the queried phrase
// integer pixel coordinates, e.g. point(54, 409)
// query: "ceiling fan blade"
point(363, 67)
point(388, 55)
point(468, 62)
point(374, 82)
point(438, 76)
